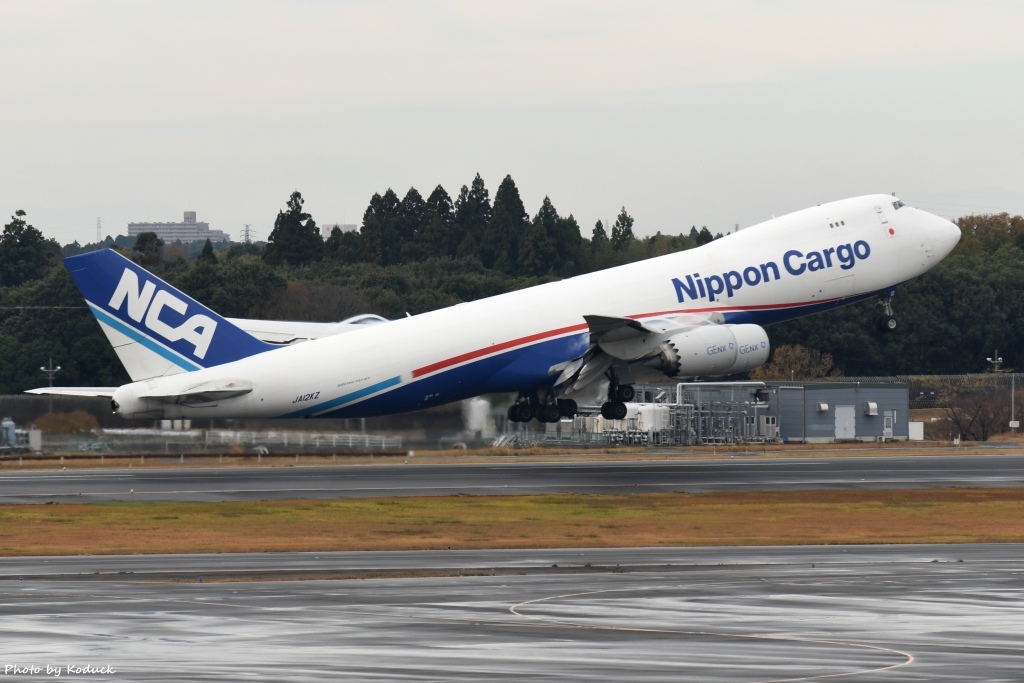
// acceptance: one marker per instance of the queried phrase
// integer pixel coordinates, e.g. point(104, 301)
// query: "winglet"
point(154, 328)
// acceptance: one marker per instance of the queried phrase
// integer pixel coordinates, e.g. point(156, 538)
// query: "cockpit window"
point(898, 204)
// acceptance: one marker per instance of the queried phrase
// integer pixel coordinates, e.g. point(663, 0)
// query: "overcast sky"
point(686, 113)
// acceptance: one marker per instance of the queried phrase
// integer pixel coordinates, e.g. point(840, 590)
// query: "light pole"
point(50, 372)
point(996, 361)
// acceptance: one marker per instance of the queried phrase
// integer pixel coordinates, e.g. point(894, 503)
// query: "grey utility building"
point(818, 412)
point(755, 412)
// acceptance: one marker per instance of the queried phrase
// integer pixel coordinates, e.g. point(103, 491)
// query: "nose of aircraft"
point(942, 233)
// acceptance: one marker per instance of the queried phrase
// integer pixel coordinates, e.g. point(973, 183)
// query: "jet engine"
point(711, 350)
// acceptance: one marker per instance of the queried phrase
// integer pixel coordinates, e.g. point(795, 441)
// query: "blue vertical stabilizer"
point(155, 329)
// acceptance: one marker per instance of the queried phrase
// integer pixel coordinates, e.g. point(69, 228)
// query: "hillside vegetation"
point(413, 255)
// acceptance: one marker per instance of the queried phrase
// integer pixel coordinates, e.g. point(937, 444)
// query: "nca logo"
point(148, 303)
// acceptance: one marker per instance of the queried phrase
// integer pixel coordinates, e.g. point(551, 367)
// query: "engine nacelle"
point(712, 350)
point(752, 348)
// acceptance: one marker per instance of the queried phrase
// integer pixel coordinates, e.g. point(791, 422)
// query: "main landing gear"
point(551, 410)
point(887, 322)
point(618, 396)
point(542, 406)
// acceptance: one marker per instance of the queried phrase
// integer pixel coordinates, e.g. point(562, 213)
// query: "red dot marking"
point(892, 231)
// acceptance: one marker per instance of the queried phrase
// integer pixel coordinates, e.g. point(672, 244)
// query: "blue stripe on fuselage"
point(347, 398)
point(512, 370)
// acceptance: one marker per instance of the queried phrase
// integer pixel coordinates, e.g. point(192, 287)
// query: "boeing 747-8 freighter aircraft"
point(695, 313)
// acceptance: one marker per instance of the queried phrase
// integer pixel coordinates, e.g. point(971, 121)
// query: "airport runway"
point(735, 474)
point(730, 615)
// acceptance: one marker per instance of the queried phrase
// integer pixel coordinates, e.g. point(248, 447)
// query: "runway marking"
point(648, 464)
point(688, 485)
point(909, 658)
point(27, 476)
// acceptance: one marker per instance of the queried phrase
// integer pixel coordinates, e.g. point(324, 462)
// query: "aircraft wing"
point(616, 341)
point(283, 332)
point(606, 328)
point(106, 392)
point(612, 340)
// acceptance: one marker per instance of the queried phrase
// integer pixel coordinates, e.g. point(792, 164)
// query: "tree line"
point(413, 255)
point(500, 235)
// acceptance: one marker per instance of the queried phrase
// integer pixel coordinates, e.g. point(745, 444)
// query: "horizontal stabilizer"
point(218, 390)
point(105, 392)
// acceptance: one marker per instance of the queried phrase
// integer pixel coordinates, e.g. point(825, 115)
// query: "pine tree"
point(207, 255)
point(438, 234)
point(412, 213)
point(295, 239)
point(622, 231)
point(472, 213)
point(539, 253)
point(568, 246)
point(600, 248)
point(509, 220)
point(381, 244)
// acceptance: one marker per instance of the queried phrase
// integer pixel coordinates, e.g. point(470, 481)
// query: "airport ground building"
point(702, 413)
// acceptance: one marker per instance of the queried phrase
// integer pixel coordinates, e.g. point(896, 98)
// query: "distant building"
point(186, 231)
point(325, 230)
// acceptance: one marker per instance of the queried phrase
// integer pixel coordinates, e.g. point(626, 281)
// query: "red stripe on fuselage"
point(495, 348)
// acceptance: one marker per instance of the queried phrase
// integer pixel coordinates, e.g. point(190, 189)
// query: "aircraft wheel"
point(524, 412)
point(567, 407)
point(887, 323)
point(613, 410)
point(626, 393)
point(513, 414)
point(549, 413)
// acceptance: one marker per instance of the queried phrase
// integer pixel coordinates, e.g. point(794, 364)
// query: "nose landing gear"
point(887, 321)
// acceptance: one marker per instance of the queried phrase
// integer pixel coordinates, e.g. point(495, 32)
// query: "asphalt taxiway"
point(604, 476)
point(858, 613)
